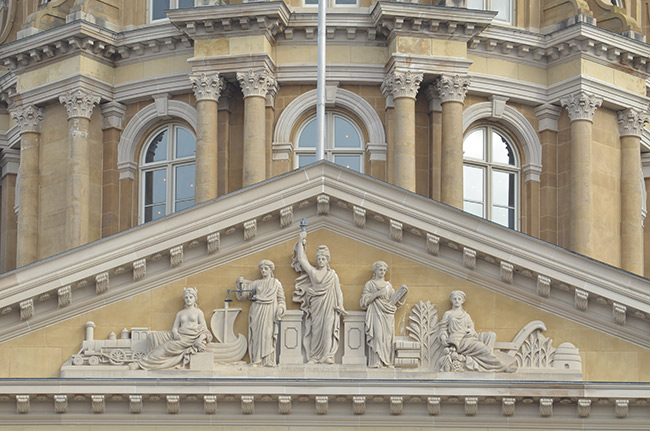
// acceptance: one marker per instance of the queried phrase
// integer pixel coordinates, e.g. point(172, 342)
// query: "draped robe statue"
point(268, 306)
point(189, 335)
point(380, 318)
point(319, 293)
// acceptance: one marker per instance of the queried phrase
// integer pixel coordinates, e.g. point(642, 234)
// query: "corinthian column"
point(452, 91)
point(79, 105)
point(404, 86)
point(254, 85)
point(630, 126)
point(29, 120)
point(581, 107)
point(207, 89)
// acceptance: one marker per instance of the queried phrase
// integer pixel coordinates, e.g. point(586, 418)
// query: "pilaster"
point(113, 118)
point(452, 90)
point(10, 165)
point(29, 119)
point(79, 105)
point(223, 137)
point(435, 141)
point(207, 89)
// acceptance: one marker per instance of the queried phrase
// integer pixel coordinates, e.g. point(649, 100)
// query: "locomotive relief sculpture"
point(433, 346)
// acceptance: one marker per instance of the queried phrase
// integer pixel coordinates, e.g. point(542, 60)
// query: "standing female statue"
point(378, 299)
point(189, 335)
point(319, 292)
point(268, 306)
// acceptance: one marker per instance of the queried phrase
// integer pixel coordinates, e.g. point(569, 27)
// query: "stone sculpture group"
point(450, 344)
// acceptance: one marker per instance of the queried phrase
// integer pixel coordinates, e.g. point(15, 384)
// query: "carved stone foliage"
point(535, 351)
point(28, 118)
point(207, 86)
point(402, 84)
point(631, 122)
point(452, 88)
point(79, 103)
point(255, 83)
point(581, 105)
point(421, 328)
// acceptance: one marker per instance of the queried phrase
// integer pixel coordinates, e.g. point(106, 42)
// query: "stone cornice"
point(344, 28)
point(267, 18)
point(28, 118)
point(271, 402)
point(581, 105)
point(91, 40)
point(631, 122)
point(580, 40)
point(544, 276)
point(391, 18)
point(206, 86)
point(52, 91)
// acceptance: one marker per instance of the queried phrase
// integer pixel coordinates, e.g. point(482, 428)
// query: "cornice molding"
point(394, 403)
point(531, 259)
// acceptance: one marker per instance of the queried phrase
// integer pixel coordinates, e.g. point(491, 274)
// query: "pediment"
point(372, 212)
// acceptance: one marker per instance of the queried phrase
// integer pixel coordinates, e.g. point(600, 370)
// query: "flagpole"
point(320, 80)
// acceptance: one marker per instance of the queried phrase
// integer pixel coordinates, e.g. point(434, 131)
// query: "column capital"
point(272, 93)
point(581, 105)
point(255, 82)
point(79, 103)
point(207, 86)
point(631, 122)
point(28, 117)
point(452, 88)
point(402, 83)
point(113, 113)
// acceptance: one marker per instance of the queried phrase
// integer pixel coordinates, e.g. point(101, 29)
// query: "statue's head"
point(457, 297)
point(190, 295)
point(266, 265)
point(322, 256)
point(380, 266)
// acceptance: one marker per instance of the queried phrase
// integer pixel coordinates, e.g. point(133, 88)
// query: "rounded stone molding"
point(345, 99)
point(140, 123)
point(518, 125)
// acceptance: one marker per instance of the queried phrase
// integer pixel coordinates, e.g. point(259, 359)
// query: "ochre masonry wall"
point(156, 309)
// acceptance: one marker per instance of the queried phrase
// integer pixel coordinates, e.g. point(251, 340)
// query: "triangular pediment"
point(353, 205)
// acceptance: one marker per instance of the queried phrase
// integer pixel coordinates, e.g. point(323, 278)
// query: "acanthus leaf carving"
point(28, 118)
point(207, 86)
point(469, 258)
point(173, 404)
point(543, 286)
point(581, 105)
point(403, 83)
point(98, 403)
point(359, 215)
point(255, 82)
point(22, 404)
point(452, 88)
point(139, 269)
point(26, 309)
point(631, 122)
point(79, 103)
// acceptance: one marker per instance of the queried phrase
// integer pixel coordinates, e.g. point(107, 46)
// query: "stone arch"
point(517, 124)
point(339, 98)
point(133, 133)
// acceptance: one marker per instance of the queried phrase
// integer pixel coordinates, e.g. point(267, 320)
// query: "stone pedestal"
point(290, 343)
point(354, 338)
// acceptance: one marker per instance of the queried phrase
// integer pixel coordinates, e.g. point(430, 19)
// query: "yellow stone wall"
point(156, 309)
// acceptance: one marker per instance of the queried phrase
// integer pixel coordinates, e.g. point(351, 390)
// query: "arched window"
point(343, 146)
point(491, 176)
point(167, 172)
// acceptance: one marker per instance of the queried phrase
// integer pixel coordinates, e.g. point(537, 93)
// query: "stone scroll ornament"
point(319, 293)
point(267, 308)
point(380, 301)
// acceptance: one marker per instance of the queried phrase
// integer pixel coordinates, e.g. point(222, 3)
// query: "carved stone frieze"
point(433, 244)
point(359, 215)
point(207, 86)
point(543, 286)
point(581, 299)
point(584, 407)
point(135, 404)
point(26, 309)
point(508, 406)
point(546, 407)
point(622, 408)
point(433, 405)
point(139, 269)
point(396, 405)
point(284, 404)
point(98, 403)
point(452, 88)
point(213, 242)
point(79, 103)
point(22, 404)
point(620, 313)
point(176, 255)
point(250, 229)
point(28, 118)
point(286, 216)
point(471, 406)
point(322, 404)
point(469, 258)
point(631, 122)
point(102, 282)
point(255, 82)
point(396, 230)
point(581, 105)
point(247, 404)
point(359, 405)
point(402, 84)
point(173, 404)
point(507, 271)
point(323, 204)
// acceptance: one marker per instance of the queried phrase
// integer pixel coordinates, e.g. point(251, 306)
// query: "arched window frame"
point(489, 168)
point(171, 164)
point(331, 150)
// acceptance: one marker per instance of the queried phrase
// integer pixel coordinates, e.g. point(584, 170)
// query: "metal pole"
point(320, 80)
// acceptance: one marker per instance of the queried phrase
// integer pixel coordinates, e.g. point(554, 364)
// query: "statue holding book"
point(381, 301)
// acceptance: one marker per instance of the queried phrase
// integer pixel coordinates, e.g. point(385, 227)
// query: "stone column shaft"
point(254, 86)
point(581, 108)
point(403, 86)
point(631, 124)
point(113, 115)
point(79, 105)
point(452, 91)
point(29, 119)
point(435, 142)
point(207, 89)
